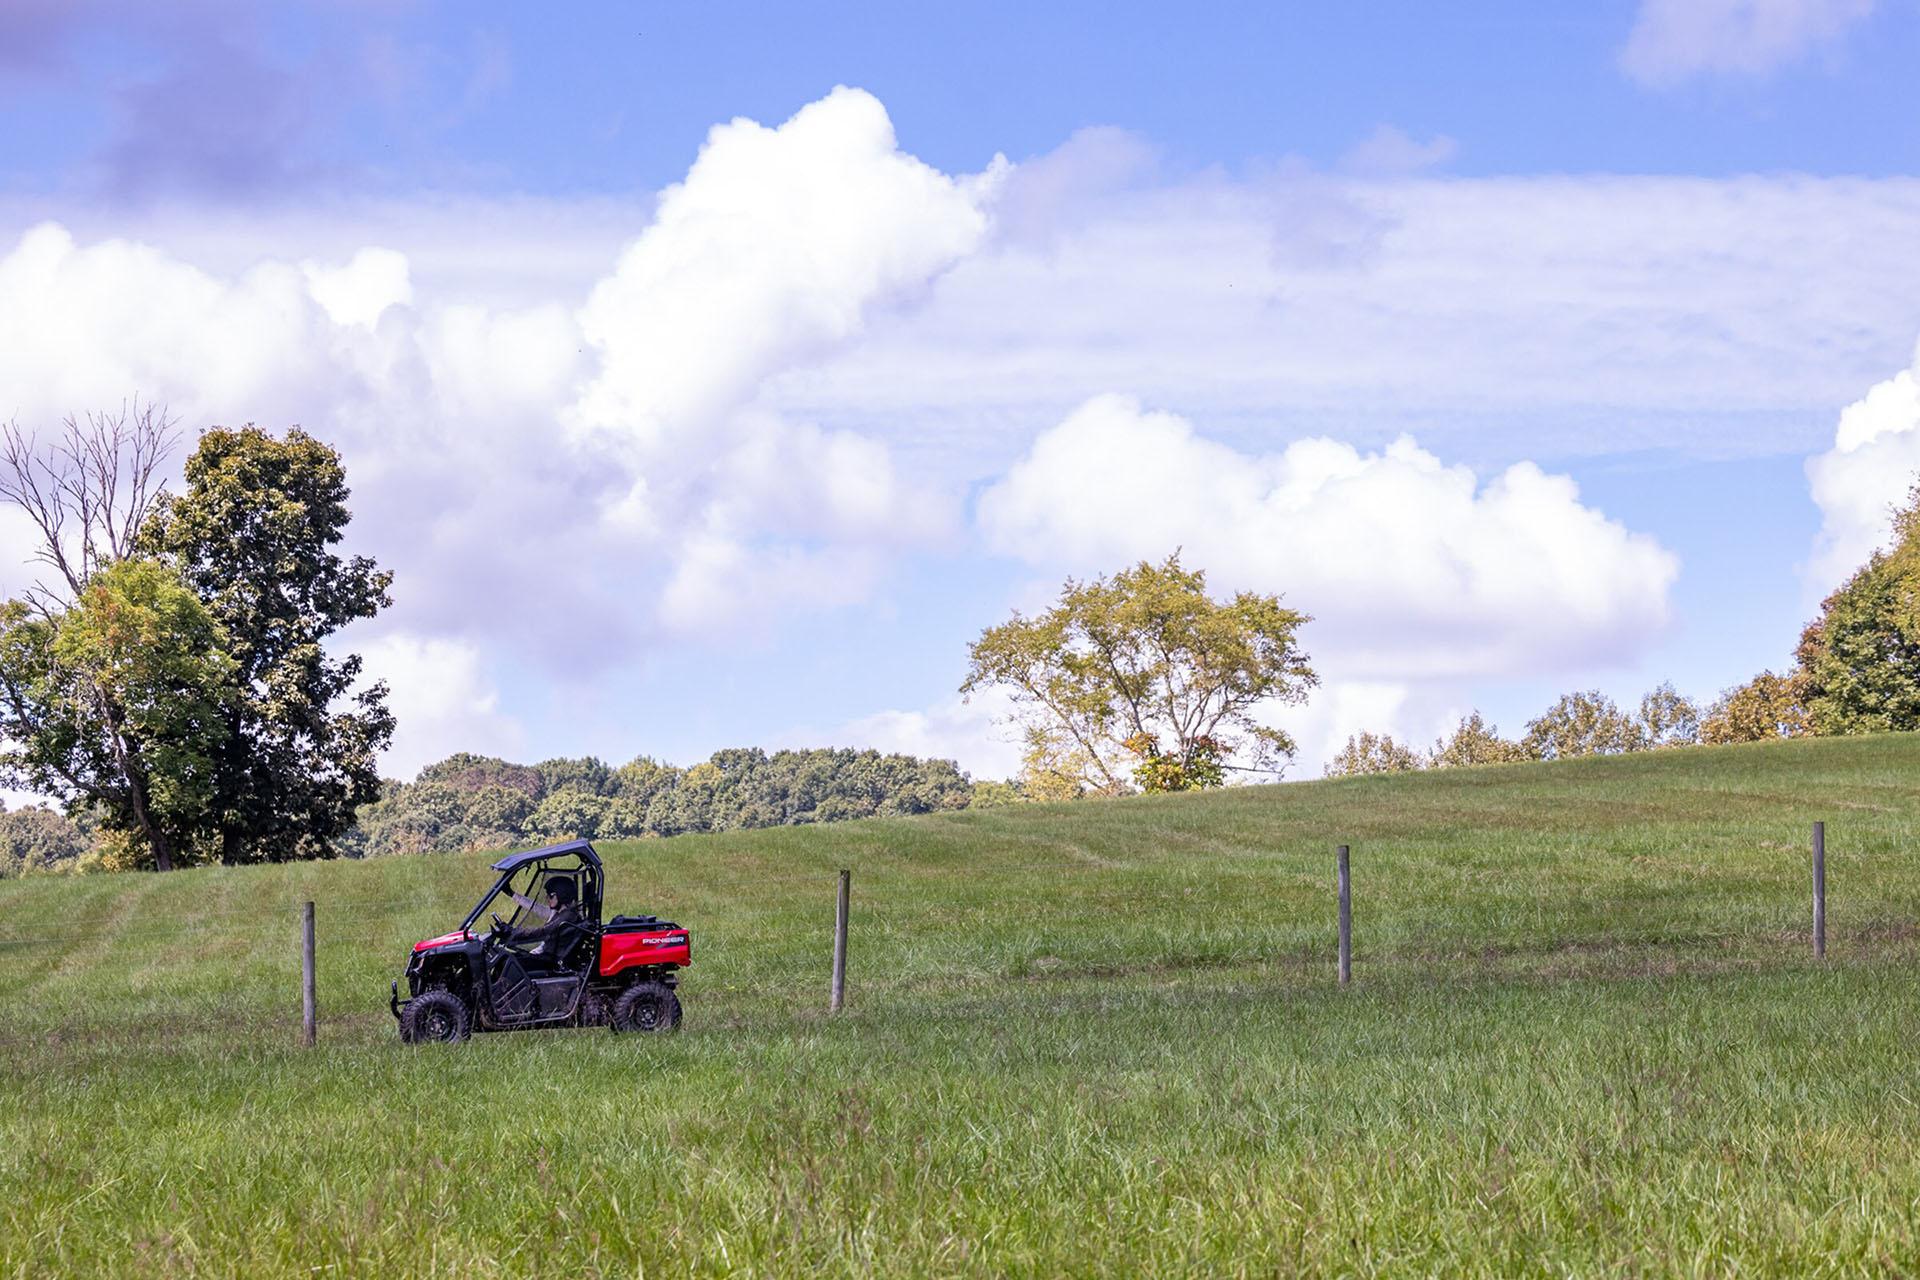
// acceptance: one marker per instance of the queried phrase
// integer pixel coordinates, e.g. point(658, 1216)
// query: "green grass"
point(1585, 1036)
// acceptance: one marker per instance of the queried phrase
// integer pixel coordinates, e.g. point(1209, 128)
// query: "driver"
point(562, 913)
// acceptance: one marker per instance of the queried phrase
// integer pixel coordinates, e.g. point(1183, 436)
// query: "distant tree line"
point(1856, 670)
point(1587, 723)
point(36, 838)
point(482, 802)
point(479, 802)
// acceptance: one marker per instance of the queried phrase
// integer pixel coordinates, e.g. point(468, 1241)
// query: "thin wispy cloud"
point(1673, 41)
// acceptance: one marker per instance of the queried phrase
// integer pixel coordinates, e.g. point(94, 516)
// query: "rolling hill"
point(1585, 1034)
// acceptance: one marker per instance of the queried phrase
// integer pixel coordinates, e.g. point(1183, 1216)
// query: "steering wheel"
point(499, 925)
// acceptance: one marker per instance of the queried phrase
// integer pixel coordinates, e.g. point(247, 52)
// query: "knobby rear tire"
point(646, 1006)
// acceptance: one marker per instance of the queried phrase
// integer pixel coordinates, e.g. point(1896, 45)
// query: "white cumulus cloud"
point(1872, 468)
point(84, 326)
point(773, 249)
point(359, 292)
point(1413, 568)
point(592, 456)
point(776, 248)
point(1674, 40)
point(443, 700)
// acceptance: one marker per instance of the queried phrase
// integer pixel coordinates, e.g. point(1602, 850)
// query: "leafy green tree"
point(569, 813)
point(582, 773)
point(393, 825)
point(254, 537)
point(470, 772)
point(689, 806)
point(1668, 718)
point(1052, 768)
point(1583, 724)
point(466, 801)
point(673, 811)
point(121, 701)
point(36, 838)
point(995, 795)
point(641, 779)
point(1861, 657)
point(433, 814)
point(905, 785)
point(624, 819)
point(1194, 769)
point(1766, 707)
point(1474, 741)
point(497, 808)
point(438, 815)
point(86, 494)
point(1367, 753)
point(477, 799)
point(1148, 658)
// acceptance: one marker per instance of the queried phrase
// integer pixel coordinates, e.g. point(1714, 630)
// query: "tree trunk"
point(137, 792)
point(136, 788)
point(162, 856)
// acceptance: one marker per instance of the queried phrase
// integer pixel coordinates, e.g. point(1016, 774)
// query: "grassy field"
point(1585, 1036)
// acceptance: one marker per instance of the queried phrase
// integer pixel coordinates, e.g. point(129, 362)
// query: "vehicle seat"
point(569, 949)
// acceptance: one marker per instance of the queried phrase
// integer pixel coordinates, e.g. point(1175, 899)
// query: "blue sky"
point(699, 404)
point(612, 97)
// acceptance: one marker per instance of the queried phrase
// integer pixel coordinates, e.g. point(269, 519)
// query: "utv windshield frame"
point(576, 859)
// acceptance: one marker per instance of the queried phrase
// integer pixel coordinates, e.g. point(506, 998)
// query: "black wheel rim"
point(439, 1025)
point(646, 1015)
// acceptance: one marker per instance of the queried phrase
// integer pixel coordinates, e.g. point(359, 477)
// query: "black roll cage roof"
point(589, 875)
point(584, 848)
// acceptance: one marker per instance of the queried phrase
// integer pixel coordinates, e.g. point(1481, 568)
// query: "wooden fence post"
point(1819, 890)
point(840, 943)
point(1346, 920)
point(308, 1010)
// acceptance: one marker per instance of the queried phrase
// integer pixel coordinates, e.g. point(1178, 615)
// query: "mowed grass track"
point(1585, 1036)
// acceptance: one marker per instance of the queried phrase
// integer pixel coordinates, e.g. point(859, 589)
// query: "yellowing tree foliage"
point(1583, 724)
point(1474, 741)
point(1142, 679)
point(1766, 707)
point(1367, 753)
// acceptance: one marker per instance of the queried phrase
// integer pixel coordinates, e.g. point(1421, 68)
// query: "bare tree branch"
point(88, 492)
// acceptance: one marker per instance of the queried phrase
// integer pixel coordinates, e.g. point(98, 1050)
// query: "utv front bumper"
point(394, 1003)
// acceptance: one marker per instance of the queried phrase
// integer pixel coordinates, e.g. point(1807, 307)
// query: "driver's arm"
point(564, 919)
point(533, 934)
point(539, 909)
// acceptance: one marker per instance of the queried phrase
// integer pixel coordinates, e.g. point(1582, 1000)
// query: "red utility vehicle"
point(573, 971)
